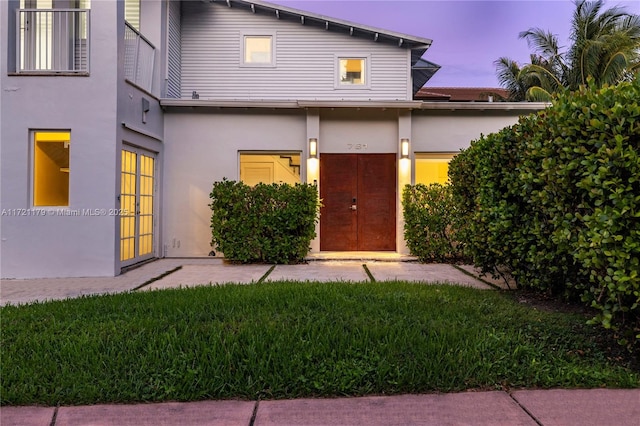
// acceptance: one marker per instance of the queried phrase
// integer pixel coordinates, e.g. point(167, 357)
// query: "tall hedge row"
point(556, 199)
point(265, 223)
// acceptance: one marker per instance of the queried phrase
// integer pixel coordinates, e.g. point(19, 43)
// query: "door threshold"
point(378, 256)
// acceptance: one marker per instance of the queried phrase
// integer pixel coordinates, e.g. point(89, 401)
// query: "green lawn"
point(286, 340)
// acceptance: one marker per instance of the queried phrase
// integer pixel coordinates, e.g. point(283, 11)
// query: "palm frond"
point(605, 46)
point(543, 42)
point(509, 77)
point(544, 76)
point(538, 94)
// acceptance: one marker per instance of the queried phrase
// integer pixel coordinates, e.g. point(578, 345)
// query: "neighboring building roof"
point(462, 94)
point(422, 70)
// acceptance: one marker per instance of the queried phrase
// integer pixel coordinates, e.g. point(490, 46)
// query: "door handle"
point(353, 207)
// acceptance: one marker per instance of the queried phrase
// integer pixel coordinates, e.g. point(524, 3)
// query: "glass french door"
point(137, 230)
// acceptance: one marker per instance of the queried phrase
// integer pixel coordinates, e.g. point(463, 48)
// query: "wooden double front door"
point(358, 194)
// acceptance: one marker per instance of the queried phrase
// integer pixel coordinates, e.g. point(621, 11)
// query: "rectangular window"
point(258, 50)
point(433, 168)
point(51, 168)
point(352, 71)
point(270, 167)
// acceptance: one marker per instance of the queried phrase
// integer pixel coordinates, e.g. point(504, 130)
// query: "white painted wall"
point(203, 148)
point(367, 131)
point(61, 246)
point(451, 131)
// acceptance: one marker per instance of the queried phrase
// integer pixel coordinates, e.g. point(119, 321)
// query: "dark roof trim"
point(422, 71)
point(328, 23)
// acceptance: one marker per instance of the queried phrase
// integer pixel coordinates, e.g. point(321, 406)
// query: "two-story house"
point(117, 117)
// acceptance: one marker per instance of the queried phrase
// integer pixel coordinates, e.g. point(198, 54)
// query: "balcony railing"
point(53, 41)
point(139, 58)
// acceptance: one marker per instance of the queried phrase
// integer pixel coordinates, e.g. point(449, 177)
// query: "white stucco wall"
point(451, 131)
point(203, 148)
point(358, 132)
point(52, 245)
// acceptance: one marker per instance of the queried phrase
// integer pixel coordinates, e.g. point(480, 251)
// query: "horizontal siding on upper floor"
point(174, 68)
point(305, 59)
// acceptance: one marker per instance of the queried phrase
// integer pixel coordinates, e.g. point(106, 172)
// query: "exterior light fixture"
point(404, 148)
point(313, 148)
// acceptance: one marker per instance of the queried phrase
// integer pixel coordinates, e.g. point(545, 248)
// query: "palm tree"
point(605, 45)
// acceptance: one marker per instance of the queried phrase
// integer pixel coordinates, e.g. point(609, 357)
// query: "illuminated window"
point(51, 168)
point(433, 168)
point(271, 167)
point(352, 71)
point(258, 50)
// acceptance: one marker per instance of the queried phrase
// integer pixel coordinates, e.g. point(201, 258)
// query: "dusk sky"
point(468, 35)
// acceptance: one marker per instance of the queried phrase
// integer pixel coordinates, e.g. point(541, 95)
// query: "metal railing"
point(52, 40)
point(139, 58)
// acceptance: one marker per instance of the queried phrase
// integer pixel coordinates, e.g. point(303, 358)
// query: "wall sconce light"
point(404, 148)
point(313, 148)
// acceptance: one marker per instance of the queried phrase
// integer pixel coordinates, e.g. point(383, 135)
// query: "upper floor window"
point(352, 72)
point(258, 50)
point(50, 39)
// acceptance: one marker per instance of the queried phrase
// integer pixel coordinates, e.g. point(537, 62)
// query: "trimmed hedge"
point(556, 199)
point(430, 228)
point(265, 223)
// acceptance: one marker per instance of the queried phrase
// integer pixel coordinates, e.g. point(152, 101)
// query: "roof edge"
point(415, 41)
point(391, 104)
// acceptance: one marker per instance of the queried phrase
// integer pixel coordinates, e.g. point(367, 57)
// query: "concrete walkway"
point(582, 407)
point(174, 273)
point(526, 407)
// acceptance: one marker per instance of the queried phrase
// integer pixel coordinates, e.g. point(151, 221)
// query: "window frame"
point(430, 155)
point(243, 45)
point(338, 84)
point(32, 174)
point(275, 152)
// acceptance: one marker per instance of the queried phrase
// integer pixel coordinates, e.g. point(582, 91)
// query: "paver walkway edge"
point(556, 407)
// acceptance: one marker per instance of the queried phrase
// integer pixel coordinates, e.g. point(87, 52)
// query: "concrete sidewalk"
point(175, 272)
point(527, 407)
